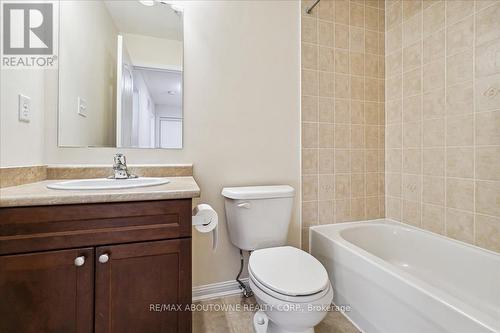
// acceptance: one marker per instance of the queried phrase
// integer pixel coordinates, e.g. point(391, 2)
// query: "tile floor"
point(233, 321)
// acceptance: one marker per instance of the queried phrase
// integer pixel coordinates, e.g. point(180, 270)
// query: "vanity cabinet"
point(46, 292)
point(96, 267)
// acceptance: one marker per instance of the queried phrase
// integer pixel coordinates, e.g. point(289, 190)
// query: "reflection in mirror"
point(120, 77)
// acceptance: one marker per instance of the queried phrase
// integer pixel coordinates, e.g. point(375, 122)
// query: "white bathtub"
point(401, 279)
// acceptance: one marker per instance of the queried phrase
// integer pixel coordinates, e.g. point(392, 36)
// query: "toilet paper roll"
point(205, 219)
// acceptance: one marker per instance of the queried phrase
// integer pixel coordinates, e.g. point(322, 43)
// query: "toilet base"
point(262, 324)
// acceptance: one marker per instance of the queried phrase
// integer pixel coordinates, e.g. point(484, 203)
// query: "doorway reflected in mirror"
point(151, 108)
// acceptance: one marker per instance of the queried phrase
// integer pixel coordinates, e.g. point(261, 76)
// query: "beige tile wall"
point(342, 112)
point(443, 117)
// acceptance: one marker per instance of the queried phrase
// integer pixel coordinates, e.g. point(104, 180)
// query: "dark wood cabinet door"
point(47, 292)
point(132, 278)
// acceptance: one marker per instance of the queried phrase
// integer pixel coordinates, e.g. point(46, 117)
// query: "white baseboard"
point(216, 290)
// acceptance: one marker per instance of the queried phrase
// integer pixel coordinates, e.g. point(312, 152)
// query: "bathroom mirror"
point(120, 74)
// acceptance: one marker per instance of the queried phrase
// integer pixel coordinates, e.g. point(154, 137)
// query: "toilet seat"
point(287, 298)
point(289, 274)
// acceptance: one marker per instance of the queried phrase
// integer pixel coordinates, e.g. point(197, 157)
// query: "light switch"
point(24, 108)
point(82, 107)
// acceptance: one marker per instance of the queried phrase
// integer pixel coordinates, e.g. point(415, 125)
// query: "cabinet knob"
point(79, 261)
point(103, 258)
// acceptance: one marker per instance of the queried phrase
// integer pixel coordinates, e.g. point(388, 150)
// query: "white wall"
point(153, 52)
point(21, 143)
point(241, 113)
point(87, 59)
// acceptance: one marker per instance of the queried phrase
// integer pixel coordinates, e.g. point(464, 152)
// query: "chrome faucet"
point(120, 170)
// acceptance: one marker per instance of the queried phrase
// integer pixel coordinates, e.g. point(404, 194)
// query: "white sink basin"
point(107, 184)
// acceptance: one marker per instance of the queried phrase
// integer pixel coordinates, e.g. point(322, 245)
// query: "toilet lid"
point(288, 270)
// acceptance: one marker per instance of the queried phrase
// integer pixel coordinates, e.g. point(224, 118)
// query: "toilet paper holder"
point(201, 220)
point(205, 220)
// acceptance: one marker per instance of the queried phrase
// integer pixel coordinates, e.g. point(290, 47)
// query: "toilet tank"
point(258, 216)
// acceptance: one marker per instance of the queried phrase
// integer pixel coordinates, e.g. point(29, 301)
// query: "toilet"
point(291, 286)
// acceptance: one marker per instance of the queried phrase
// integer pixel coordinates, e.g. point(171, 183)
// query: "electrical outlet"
point(24, 108)
point(82, 107)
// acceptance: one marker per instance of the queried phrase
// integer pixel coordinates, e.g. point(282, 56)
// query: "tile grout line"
point(385, 111)
point(445, 203)
point(364, 111)
point(317, 116)
point(350, 110)
point(334, 208)
point(474, 124)
point(316, 122)
point(401, 190)
point(422, 120)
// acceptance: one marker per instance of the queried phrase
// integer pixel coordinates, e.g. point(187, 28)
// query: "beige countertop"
point(37, 194)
